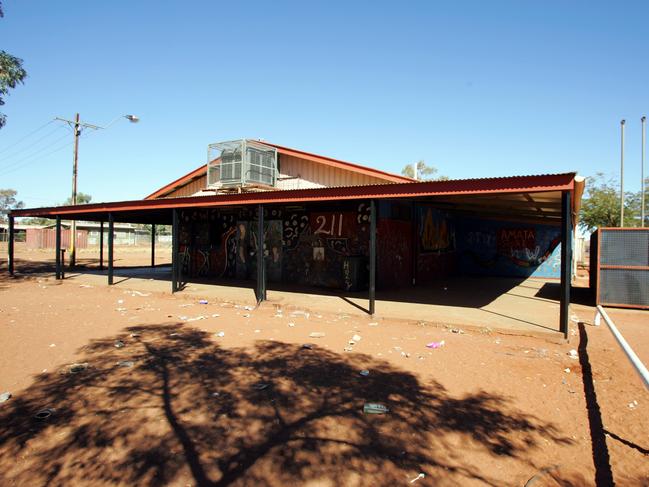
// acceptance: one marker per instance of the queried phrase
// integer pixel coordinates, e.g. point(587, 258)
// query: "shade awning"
point(533, 197)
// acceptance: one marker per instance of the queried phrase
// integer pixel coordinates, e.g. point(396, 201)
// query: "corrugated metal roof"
point(499, 185)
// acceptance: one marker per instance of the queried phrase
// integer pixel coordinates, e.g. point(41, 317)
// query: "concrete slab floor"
point(522, 305)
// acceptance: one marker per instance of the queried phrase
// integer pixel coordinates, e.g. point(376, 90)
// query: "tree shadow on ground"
point(172, 406)
point(39, 269)
point(25, 270)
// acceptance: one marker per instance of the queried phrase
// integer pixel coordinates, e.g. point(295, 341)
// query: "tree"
point(159, 229)
point(424, 172)
point(39, 221)
point(82, 199)
point(8, 202)
point(11, 74)
point(601, 204)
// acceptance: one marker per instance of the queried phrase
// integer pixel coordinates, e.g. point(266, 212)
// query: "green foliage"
point(159, 229)
point(424, 172)
point(39, 221)
point(11, 74)
point(601, 204)
point(82, 199)
point(8, 202)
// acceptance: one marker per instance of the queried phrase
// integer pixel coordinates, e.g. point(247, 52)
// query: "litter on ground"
point(375, 408)
point(420, 476)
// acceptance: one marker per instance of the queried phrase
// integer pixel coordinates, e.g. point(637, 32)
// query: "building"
point(20, 231)
point(88, 235)
point(316, 221)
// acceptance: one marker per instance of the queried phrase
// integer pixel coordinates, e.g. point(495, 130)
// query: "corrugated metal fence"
point(45, 238)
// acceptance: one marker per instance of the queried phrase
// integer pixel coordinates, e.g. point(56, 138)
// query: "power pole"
point(77, 124)
point(622, 174)
point(73, 227)
point(642, 183)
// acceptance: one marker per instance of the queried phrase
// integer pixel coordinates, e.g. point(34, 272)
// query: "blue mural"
point(506, 248)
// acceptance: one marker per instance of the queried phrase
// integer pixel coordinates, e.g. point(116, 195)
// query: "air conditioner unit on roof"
point(240, 163)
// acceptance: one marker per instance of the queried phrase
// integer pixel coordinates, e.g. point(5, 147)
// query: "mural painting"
point(436, 256)
point(207, 243)
point(436, 233)
point(302, 246)
point(499, 248)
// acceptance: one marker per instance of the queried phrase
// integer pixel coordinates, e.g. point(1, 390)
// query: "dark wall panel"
point(620, 267)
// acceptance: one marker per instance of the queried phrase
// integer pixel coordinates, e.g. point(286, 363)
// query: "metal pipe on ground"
point(626, 348)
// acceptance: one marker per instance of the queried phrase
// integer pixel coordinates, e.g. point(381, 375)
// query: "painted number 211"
point(322, 221)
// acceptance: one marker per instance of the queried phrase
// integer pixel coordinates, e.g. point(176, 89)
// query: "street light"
point(77, 125)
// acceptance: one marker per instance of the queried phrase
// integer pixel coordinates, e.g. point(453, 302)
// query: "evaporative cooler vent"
point(619, 270)
point(239, 163)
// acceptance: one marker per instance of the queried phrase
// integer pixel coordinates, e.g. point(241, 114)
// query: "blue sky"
point(477, 89)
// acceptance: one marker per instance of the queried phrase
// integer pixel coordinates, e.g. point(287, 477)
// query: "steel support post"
point(153, 245)
point(414, 240)
point(111, 233)
point(10, 246)
point(261, 268)
point(174, 250)
point(101, 246)
point(372, 283)
point(566, 262)
point(57, 250)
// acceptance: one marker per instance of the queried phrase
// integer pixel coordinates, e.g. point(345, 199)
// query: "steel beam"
point(372, 283)
point(111, 233)
point(566, 262)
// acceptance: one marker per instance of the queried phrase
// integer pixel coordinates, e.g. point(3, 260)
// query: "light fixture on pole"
point(77, 125)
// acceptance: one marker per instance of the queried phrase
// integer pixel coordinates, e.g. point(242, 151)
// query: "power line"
point(33, 153)
point(30, 146)
point(24, 137)
point(68, 144)
point(9, 169)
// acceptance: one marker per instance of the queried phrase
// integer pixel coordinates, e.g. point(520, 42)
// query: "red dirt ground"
point(488, 408)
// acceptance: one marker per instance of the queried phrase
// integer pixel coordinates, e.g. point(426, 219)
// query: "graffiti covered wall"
point(508, 248)
point(326, 247)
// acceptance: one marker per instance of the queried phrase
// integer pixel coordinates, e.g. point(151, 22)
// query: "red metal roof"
point(514, 184)
point(187, 178)
point(349, 166)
